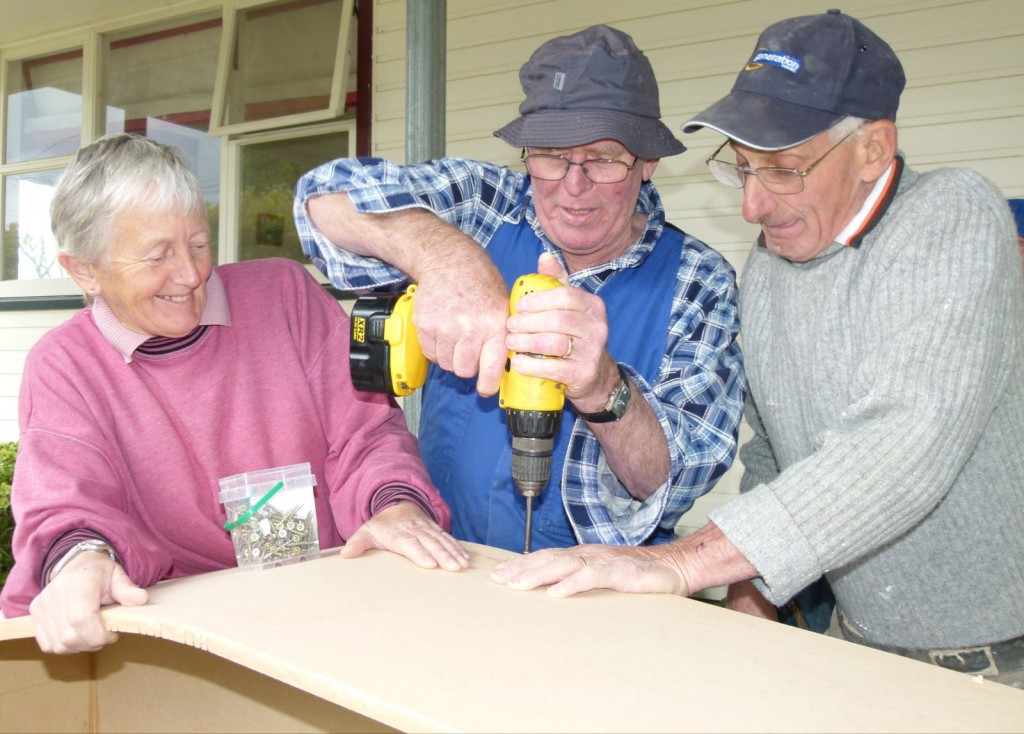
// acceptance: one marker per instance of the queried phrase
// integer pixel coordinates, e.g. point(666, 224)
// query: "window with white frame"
point(284, 61)
point(260, 76)
point(43, 126)
point(266, 167)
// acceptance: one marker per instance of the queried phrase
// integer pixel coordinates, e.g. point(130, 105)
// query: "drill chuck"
point(533, 441)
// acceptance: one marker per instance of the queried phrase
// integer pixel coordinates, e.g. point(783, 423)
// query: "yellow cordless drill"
point(533, 408)
point(385, 356)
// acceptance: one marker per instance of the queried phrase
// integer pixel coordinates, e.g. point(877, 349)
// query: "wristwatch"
point(92, 545)
point(618, 402)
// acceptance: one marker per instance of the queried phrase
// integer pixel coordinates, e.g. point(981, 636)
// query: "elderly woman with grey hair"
point(176, 374)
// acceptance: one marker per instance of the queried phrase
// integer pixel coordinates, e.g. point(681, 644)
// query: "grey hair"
point(108, 177)
point(846, 126)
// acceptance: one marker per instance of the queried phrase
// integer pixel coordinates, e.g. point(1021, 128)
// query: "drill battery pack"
point(385, 354)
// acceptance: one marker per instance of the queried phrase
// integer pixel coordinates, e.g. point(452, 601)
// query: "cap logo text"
point(559, 80)
point(774, 58)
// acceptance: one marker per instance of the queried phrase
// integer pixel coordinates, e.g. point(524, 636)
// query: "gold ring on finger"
point(572, 345)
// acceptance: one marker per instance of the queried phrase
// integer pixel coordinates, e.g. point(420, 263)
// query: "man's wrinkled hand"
point(570, 326)
point(460, 316)
point(569, 571)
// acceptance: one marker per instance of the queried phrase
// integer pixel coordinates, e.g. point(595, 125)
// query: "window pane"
point(163, 73)
point(44, 106)
point(202, 155)
point(158, 82)
point(283, 60)
point(30, 250)
point(269, 173)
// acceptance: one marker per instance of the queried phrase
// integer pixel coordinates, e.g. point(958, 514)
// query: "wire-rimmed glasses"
point(548, 167)
point(775, 179)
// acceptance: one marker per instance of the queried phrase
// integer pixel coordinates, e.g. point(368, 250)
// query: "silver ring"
point(572, 344)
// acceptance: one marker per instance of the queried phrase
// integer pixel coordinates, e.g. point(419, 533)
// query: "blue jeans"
point(811, 609)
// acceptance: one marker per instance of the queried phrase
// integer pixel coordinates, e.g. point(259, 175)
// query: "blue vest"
point(464, 438)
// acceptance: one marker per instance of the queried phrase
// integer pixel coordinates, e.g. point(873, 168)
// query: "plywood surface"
point(435, 651)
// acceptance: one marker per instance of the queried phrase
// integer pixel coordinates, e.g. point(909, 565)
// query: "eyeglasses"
point(548, 167)
point(776, 180)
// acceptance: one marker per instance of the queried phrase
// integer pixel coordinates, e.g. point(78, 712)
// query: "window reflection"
point(29, 247)
point(44, 106)
point(284, 60)
point(269, 172)
point(158, 82)
point(164, 73)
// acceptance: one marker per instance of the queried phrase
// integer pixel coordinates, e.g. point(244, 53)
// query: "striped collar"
point(215, 313)
point(874, 206)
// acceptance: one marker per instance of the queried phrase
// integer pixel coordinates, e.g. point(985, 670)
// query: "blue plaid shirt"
point(699, 392)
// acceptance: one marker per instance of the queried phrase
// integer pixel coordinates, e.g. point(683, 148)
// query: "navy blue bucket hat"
point(805, 75)
point(591, 85)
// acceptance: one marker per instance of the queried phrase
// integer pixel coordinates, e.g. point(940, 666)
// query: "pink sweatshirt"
point(132, 450)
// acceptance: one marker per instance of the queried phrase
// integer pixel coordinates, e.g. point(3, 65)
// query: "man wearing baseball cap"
point(883, 337)
point(644, 339)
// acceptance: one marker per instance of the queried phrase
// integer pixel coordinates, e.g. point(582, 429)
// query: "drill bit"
point(529, 524)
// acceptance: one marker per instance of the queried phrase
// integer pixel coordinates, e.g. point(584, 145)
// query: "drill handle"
point(519, 392)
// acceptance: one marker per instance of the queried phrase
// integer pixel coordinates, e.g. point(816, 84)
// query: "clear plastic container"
point(271, 516)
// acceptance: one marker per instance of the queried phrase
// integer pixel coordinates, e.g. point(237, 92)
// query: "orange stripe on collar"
point(881, 205)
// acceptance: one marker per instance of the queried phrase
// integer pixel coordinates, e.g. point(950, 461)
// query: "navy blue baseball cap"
point(805, 75)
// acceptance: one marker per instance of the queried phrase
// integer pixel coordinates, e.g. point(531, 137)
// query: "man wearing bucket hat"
point(644, 339)
point(884, 343)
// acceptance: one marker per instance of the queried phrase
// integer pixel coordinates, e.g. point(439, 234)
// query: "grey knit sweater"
point(887, 401)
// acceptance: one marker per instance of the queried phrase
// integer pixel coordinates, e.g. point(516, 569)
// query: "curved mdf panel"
point(376, 644)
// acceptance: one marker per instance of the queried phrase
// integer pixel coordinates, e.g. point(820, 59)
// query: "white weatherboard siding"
point(19, 330)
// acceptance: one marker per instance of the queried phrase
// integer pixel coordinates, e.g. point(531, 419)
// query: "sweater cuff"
point(60, 547)
point(392, 494)
point(759, 525)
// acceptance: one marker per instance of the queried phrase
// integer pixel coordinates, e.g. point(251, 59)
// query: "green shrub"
point(8, 451)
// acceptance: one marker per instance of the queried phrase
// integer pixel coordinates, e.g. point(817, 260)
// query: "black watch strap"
point(618, 402)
